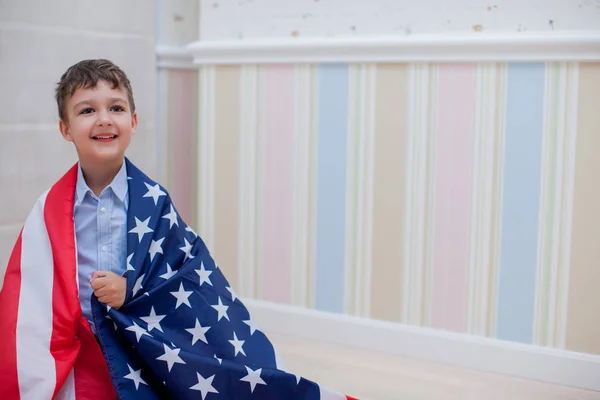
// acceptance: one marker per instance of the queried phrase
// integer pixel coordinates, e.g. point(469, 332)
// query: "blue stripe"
point(331, 186)
point(522, 181)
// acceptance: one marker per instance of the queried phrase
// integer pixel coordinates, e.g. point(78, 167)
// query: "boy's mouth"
point(104, 138)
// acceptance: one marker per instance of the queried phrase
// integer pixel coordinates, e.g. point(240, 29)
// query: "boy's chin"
point(102, 158)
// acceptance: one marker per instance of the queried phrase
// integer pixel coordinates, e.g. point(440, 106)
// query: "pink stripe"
point(454, 160)
point(182, 131)
point(277, 188)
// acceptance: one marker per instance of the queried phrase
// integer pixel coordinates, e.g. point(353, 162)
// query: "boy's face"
point(99, 123)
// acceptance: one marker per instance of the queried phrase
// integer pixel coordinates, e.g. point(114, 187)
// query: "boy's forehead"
point(102, 89)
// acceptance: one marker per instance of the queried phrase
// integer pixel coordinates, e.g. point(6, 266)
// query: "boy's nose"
point(103, 118)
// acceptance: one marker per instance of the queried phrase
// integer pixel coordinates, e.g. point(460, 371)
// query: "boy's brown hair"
point(86, 74)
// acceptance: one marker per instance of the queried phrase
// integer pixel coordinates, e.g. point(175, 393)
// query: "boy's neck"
point(99, 177)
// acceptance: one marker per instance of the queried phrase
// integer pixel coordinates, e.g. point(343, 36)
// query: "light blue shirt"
point(100, 232)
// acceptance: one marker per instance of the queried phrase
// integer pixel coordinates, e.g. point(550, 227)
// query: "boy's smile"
point(100, 125)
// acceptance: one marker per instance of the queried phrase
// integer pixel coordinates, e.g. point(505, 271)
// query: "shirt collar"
point(118, 185)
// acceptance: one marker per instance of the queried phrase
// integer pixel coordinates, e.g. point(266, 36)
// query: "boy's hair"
point(86, 74)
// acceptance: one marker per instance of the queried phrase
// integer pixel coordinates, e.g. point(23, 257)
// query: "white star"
point(187, 249)
point(253, 325)
point(129, 266)
point(220, 360)
point(154, 192)
point(135, 376)
point(204, 275)
point(222, 310)
point(171, 357)
point(153, 320)
point(138, 285)
point(141, 228)
point(188, 229)
point(139, 331)
point(204, 386)
point(198, 332)
point(155, 247)
point(298, 379)
point(169, 272)
point(182, 296)
point(172, 217)
point(238, 345)
point(233, 293)
point(253, 378)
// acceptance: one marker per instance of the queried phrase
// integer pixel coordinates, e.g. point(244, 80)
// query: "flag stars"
point(153, 320)
point(221, 310)
point(238, 345)
point(234, 295)
point(155, 192)
point(252, 324)
point(155, 248)
point(182, 296)
point(129, 266)
point(187, 249)
point(172, 217)
point(198, 332)
point(204, 275)
point(141, 228)
point(135, 376)
point(169, 273)
point(253, 378)
point(204, 385)
point(138, 330)
point(171, 357)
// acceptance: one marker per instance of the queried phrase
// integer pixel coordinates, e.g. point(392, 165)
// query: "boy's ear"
point(134, 122)
point(64, 130)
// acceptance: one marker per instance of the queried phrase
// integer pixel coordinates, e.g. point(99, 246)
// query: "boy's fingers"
point(98, 274)
point(98, 283)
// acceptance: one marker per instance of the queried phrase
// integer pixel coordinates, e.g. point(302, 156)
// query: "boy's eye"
point(117, 108)
point(86, 110)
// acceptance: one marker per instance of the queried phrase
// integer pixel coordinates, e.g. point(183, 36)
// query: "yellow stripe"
point(583, 323)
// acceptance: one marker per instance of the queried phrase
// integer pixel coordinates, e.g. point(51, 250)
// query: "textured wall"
point(38, 41)
point(459, 197)
point(236, 19)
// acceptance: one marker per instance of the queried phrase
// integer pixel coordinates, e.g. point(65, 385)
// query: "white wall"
point(237, 19)
point(39, 40)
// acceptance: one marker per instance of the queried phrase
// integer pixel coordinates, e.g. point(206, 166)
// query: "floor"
point(368, 376)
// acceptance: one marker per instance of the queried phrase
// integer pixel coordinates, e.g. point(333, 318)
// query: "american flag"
point(183, 332)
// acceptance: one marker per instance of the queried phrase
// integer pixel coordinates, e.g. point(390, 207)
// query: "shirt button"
point(105, 248)
point(103, 210)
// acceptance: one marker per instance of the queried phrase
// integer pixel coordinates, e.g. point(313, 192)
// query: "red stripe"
point(9, 308)
point(92, 379)
point(72, 343)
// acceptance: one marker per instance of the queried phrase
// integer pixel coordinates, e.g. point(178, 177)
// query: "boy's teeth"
point(105, 137)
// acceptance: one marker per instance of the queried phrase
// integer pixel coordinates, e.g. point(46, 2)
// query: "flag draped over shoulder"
point(183, 331)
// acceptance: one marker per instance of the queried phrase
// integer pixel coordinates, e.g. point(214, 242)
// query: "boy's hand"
point(109, 288)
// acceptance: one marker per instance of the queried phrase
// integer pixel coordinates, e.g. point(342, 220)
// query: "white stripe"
point(67, 392)
point(408, 231)
point(369, 192)
point(327, 394)
point(259, 182)
point(358, 193)
point(247, 199)
point(35, 364)
point(573, 93)
point(301, 187)
point(350, 245)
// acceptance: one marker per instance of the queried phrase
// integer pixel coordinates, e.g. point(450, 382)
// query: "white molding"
point(174, 57)
point(476, 47)
point(490, 355)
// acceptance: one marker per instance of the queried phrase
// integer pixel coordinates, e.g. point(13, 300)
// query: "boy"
point(109, 294)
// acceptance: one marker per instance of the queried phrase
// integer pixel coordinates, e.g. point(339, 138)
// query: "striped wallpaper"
point(462, 197)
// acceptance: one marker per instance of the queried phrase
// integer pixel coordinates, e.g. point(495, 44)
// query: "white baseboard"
point(524, 361)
